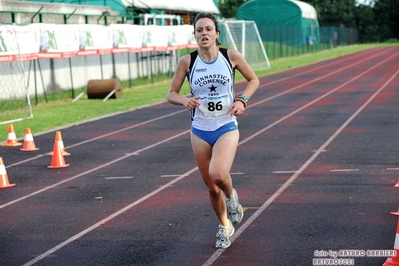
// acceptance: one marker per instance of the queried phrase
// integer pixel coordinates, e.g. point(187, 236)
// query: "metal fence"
point(290, 41)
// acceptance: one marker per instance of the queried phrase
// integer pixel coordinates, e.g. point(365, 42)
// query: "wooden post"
point(101, 88)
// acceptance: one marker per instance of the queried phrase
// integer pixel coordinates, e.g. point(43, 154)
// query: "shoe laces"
point(232, 206)
point(222, 233)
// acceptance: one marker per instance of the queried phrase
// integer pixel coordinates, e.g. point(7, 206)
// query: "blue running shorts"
point(212, 136)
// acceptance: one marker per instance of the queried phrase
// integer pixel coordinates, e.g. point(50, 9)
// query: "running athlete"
point(214, 108)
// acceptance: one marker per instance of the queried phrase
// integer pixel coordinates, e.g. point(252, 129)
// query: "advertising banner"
point(60, 41)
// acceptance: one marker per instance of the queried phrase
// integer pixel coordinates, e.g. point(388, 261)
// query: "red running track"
point(315, 170)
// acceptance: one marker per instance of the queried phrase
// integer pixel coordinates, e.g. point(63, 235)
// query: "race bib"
point(214, 106)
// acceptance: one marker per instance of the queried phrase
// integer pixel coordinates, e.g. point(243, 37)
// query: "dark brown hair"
point(211, 17)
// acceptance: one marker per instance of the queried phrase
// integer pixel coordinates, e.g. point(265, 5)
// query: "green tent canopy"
point(290, 22)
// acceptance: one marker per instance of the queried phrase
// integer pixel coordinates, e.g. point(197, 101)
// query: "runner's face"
point(205, 32)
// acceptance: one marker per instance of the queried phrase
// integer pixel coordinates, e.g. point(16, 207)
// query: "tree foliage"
point(334, 13)
point(365, 23)
point(378, 21)
point(228, 8)
point(386, 14)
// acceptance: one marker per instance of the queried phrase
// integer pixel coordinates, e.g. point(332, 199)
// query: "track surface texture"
point(315, 171)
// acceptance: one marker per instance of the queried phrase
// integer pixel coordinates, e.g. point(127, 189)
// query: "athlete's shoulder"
point(185, 58)
point(235, 57)
point(184, 61)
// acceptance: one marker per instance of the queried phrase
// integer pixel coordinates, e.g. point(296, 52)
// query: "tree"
point(228, 8)
point(376, 21)
point(365, 21)
point(387, 18)
point(335, 13)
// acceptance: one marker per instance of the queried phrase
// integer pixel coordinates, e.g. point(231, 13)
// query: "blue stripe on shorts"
point(212, 136)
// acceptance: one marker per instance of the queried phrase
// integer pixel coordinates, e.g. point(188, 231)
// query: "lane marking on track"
point(318, 68)
point(132, 153)
point(344, 170)
point(284, 172)
point(250, 220)
point(312, 102)
point(321, 151)
point(239, 173)
point(112, 216)
point(89, 171)
point(103, 136)
point(119, 177)
point(317, 79)
point(392, 169)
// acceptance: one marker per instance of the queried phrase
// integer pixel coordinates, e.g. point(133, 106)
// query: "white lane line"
point(309, 103)
point(344, 170)
point(239, 173)
point(321, 151)
point(317, 79)
point(112, 216)
point(89, 171)
point(252, 218)
point(318, 68)
point(103, 136)
point(119, 177)
point(284, 172)
point(392, 169)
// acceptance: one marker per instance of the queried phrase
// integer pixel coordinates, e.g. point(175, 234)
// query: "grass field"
point(59, 113)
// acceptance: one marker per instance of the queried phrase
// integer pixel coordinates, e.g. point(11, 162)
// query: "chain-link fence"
point(283, 41)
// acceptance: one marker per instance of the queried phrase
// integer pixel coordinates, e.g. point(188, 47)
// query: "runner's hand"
point(237, 108)
point(191, 103)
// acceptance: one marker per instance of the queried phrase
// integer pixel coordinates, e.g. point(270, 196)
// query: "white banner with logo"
point(58, 41)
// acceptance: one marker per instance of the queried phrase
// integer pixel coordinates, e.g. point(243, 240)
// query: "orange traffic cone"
point(4, 183)
point(29, 143)
point(58, 159)
point(58, 138)
point(394, 261)
point(11, 138)
point(397, 185)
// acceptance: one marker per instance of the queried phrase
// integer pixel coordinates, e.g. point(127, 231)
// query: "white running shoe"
point(234, 208)
point(223, 235)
